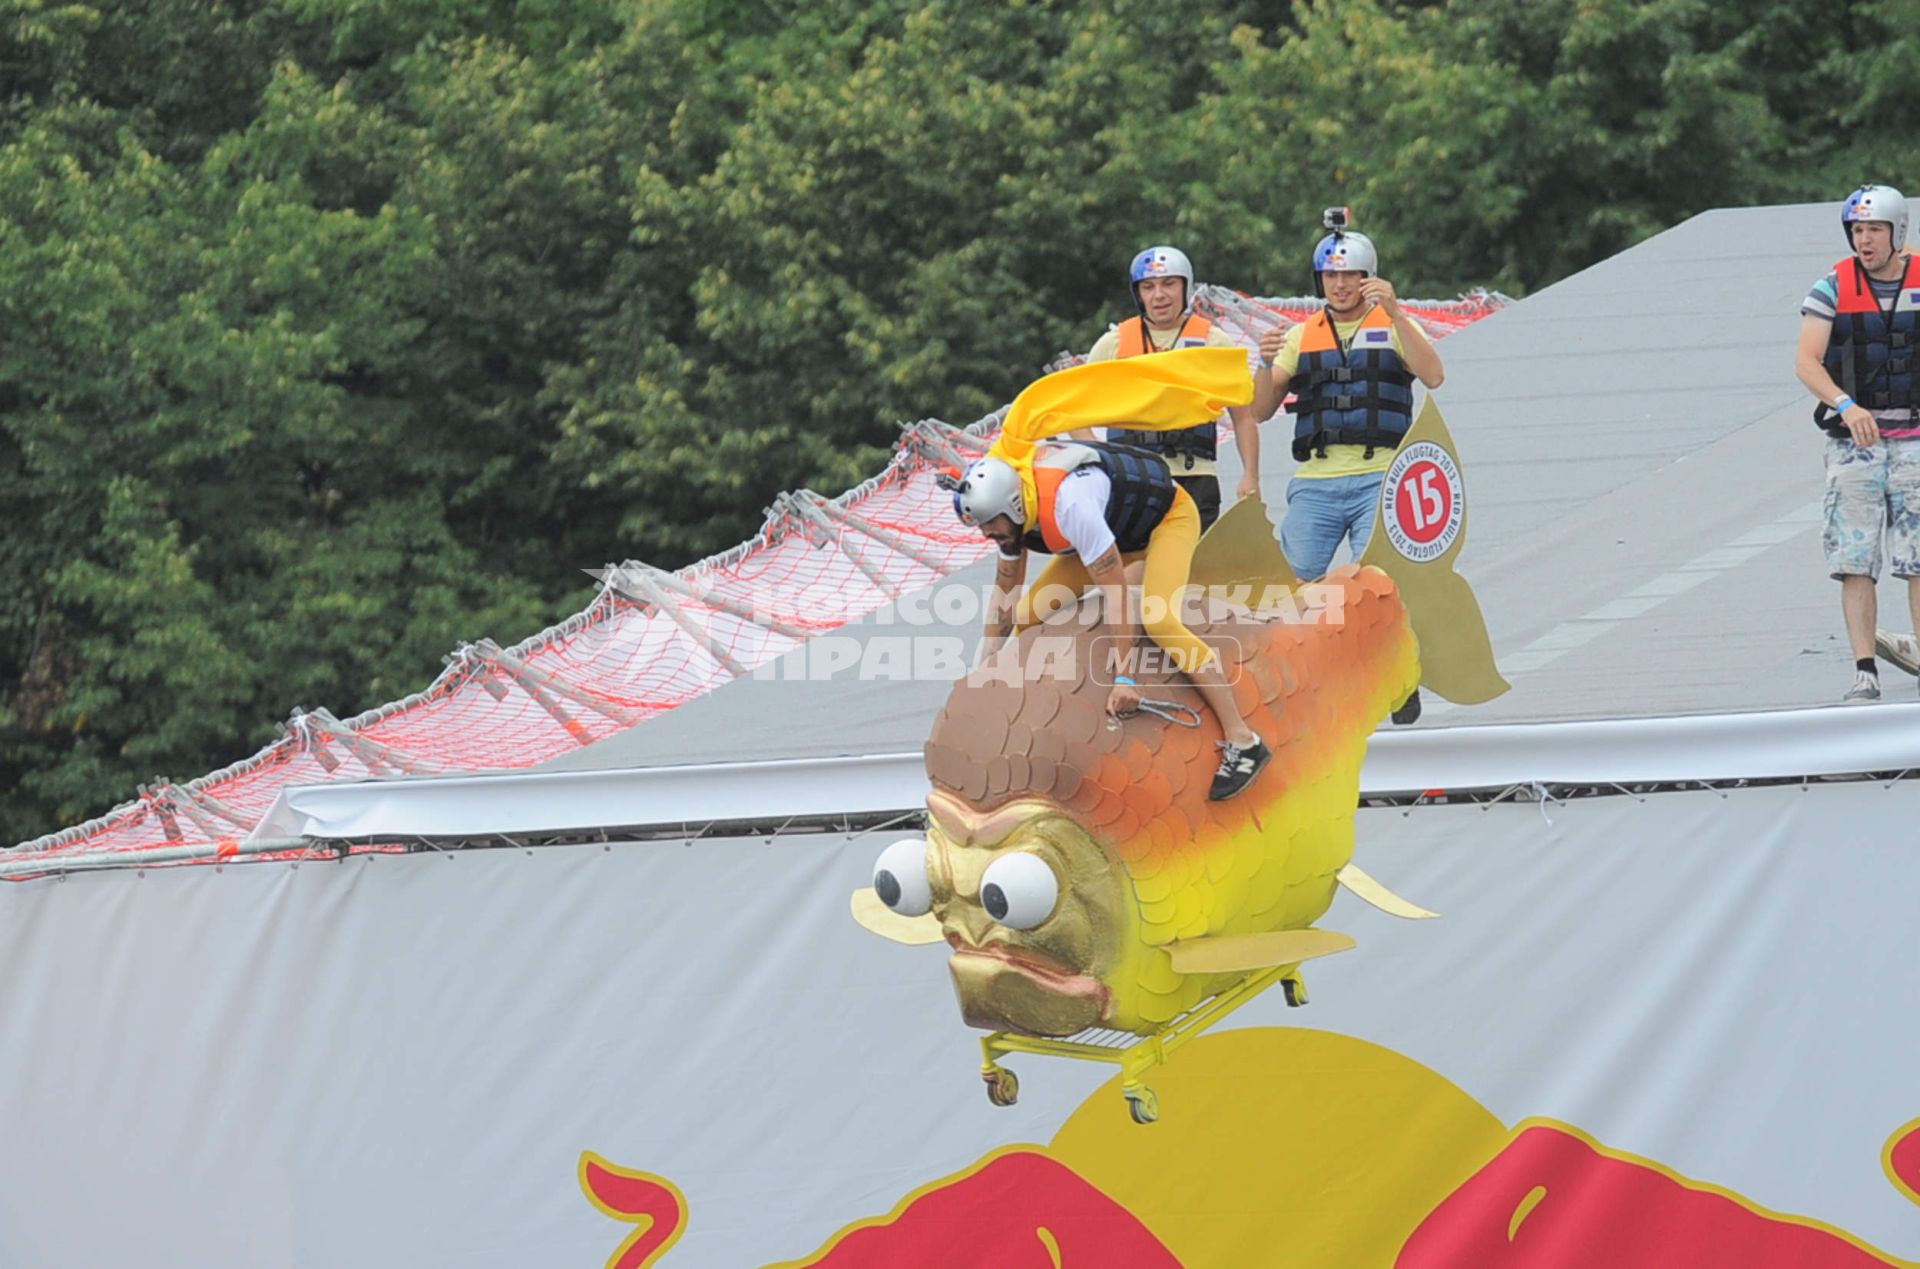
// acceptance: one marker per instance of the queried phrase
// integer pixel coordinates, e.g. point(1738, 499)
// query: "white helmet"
point(1876, 202)
point(990, 488)
point(1343, 252)
point(1160, 262)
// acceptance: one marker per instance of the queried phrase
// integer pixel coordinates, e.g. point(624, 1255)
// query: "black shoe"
point(1409, 711)
point(1238, 767)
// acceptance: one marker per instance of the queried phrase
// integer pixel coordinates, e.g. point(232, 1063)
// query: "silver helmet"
point(991, 487)
point(1876, 202)
point(1343, 252)
point(1160, 262)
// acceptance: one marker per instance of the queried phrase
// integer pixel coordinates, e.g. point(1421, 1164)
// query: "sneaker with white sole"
point(1238, 766)
point(1866, 687)
point(1903, 650)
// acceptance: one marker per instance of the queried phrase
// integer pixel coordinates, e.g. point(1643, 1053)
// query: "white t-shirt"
point(1080, 509)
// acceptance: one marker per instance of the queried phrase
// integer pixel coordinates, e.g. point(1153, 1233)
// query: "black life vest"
point(1362, 395)
point(1870, 357)
point(1142, 494)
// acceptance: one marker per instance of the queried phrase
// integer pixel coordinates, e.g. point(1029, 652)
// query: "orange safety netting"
point(649, 642)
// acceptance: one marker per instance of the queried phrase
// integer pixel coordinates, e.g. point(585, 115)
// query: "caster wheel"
point(1143, 1106)
point(1295, 990)
point(1003, 1086)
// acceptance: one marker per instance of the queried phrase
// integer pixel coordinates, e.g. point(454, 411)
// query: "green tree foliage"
point(333, 332)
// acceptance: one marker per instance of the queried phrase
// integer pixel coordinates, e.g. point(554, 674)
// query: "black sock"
point(1867, 665)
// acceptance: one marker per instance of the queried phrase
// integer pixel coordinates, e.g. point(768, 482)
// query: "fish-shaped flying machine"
point(1098, 904)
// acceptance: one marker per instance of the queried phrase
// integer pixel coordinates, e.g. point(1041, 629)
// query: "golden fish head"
point(1037, 914)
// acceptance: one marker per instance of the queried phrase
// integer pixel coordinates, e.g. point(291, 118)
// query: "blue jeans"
point(1320, 513)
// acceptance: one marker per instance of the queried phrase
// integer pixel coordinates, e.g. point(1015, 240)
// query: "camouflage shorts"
point(1873, 493)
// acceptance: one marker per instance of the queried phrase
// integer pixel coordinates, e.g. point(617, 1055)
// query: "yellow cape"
point(1159, 392)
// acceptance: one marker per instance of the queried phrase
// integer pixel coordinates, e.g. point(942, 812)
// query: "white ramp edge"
point(1781, 744)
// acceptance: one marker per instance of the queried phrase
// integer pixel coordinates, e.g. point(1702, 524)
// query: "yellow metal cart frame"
point(1135, 1055)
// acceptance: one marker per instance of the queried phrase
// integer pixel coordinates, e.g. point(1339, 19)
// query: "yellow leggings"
point(1169, 557)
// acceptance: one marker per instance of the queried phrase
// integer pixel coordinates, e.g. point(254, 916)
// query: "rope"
point(1171, 711)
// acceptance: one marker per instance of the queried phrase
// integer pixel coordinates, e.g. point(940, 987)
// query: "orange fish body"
point(1023, 762)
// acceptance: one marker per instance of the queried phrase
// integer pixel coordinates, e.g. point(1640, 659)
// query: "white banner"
point(401, 1061)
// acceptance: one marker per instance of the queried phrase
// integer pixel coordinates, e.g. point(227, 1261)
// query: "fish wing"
point(1362, 886)
point(888, 924)
point(1233, 953)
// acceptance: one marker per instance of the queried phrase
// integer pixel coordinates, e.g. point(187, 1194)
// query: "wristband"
point(1844, 404)
point(1120, 679)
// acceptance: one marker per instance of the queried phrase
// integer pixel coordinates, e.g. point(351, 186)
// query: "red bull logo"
point(1383, 1162)
point(653, 1204)
point(1557, 1199)
point(1044, 1216)
point(1901, 1159)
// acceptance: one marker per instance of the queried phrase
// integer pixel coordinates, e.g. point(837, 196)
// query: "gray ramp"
point(1643, 484)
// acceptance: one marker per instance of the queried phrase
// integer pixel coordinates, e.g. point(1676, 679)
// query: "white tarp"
point(398, 1061)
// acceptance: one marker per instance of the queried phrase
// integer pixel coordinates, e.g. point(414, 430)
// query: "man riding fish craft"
point(1109, 886)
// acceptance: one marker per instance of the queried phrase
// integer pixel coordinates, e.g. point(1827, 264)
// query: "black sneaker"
point(1409, 711)
point(1238, 766)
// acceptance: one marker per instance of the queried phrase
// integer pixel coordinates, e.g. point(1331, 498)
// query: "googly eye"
point(1019, 891)
point(900, 877)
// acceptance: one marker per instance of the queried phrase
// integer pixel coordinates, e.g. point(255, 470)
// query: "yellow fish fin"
point(888, 924)
point(1456, 657)
point(1240, 554)
point(1365, 887)
point(1229, 953)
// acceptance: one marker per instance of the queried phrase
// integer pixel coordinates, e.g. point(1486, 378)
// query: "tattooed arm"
point(1009, 579)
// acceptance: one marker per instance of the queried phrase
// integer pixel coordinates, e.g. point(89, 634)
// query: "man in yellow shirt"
point(1162, 282)
point(1351, 367)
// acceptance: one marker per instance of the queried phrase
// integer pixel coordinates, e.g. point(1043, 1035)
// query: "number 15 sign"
point(1422, 503)
point(1421, 527)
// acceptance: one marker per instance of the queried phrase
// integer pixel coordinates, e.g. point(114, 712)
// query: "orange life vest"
point(1133, 336)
